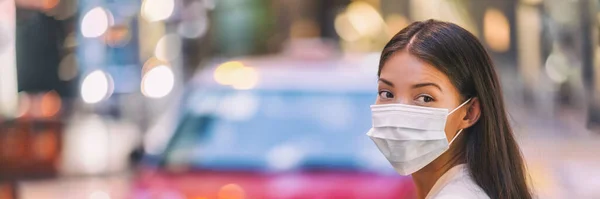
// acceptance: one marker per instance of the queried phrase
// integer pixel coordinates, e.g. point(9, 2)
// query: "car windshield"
point(276, 130)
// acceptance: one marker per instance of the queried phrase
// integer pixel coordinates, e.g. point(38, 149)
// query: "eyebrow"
point(427, 84)
point(389, 83)
point(420, 85)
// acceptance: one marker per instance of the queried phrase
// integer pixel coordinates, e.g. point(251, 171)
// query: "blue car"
point(275, 128)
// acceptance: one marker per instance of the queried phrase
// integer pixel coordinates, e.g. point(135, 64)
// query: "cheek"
point(452, 126)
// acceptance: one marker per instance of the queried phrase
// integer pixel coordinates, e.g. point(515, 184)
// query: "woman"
point(440, 116)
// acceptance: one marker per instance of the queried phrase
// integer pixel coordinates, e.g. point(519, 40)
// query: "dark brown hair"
point(490, 152)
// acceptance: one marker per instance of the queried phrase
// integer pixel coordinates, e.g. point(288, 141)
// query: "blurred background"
point(231, 99)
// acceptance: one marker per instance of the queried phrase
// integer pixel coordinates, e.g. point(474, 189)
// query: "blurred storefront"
point(544, 50)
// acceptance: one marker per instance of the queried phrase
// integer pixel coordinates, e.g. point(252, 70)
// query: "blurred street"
point(561, 158)
point(232, 99)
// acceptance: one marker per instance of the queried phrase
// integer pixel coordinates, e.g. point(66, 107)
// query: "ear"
point(473, 113)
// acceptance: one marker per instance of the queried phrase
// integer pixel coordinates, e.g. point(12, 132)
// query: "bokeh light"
point(158, 82)
point(95, 22)
point(237, 75)
point(168, 47)
point(24, 104)
point(50, 104)
point(364, 18)
point(117, 36)
point(232, 191)
point(86, 146)
point(344, 28)
point(244, 78)
point(223, 73)
point(96, 86)
point(157, 10)
point(496, 30)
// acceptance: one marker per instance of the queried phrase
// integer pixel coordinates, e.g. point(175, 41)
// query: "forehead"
point(403, 67)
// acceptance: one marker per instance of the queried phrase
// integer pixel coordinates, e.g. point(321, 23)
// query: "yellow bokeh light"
point(345, 29)
point(365, 18)
point(496, 30)
point(244, 78)
point(223, 73)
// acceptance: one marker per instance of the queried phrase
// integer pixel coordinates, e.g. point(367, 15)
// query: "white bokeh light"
point(168, 47)
point(157, 10)
point(96, 86)
point(95, 22)
point(158, 82)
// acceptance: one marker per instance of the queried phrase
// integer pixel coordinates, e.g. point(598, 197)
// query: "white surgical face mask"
point(410, 137)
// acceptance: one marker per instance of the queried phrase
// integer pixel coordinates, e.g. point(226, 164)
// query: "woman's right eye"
point(386, 95)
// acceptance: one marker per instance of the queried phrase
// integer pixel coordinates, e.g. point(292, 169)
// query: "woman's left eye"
point(425, 99)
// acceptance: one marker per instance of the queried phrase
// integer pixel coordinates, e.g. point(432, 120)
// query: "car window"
point(276, 130)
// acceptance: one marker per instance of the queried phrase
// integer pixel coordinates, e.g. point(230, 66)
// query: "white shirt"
point(456, 183)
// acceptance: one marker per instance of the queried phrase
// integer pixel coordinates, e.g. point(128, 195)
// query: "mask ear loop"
point(461, 105)
point(459, 131)
point(457, 134)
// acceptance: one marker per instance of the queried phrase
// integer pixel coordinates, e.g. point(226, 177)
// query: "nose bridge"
point(403, 98)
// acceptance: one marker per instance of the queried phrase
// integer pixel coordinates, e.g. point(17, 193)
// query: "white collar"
point(445, 179)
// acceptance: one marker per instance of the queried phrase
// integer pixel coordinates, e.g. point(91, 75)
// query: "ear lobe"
point(473, 112)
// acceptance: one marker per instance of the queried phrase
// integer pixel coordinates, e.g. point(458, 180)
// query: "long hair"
point(490, 151)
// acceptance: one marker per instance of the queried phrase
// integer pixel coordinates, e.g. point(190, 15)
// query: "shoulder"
point(463, 189)
point(462, 186)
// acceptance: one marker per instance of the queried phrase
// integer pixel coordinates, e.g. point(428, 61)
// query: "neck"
point(426, 178)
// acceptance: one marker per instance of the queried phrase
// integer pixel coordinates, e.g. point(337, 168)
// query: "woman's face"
point(404, 79)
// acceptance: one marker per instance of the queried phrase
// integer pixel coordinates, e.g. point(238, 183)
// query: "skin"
point(405, 79)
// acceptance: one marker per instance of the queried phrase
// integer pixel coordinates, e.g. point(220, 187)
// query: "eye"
point(386, 95)
point(425, 99)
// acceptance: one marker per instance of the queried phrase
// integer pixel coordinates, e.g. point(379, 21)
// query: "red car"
point(296, 133)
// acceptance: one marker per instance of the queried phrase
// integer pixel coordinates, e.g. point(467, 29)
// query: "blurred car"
point(273, 127)
point(30, 144)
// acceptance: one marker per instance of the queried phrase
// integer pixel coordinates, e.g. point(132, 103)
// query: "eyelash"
point(426, 98)
point(381, 92)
